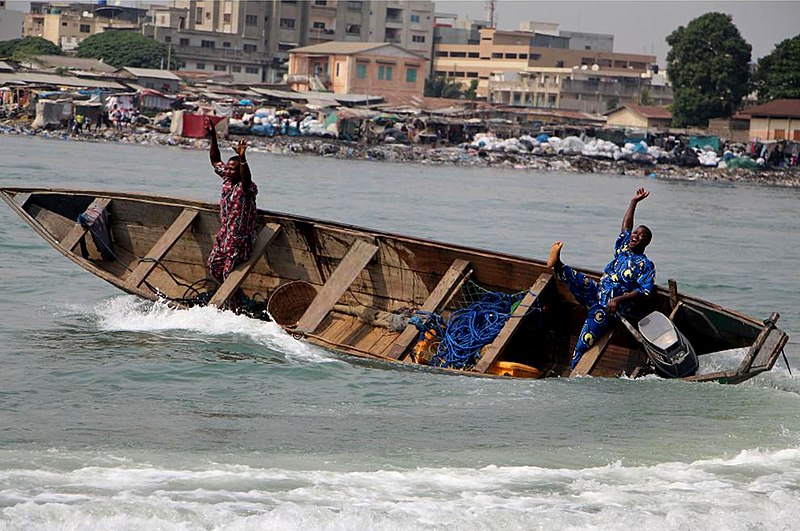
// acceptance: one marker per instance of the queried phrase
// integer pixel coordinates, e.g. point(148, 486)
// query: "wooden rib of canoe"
point(358, 280)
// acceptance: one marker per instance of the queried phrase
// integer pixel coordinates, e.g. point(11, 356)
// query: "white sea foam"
point(752, 490)
point(127, 313)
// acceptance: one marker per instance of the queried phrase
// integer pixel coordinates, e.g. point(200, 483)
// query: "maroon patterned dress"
point(236, 236)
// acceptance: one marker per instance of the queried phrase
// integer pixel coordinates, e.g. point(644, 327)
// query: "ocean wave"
point(127, 313)
point(753, 489)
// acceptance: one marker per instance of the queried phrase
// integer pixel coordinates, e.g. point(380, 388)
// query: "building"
point(61, 63)
point(10, 22)
point(251, 39)
point(500, 52)
point(66, 24)
point(776, 120)
point(639, 117)
point(371, 68)
point(151, 78)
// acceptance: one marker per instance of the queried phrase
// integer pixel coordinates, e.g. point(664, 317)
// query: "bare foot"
point(555, 254)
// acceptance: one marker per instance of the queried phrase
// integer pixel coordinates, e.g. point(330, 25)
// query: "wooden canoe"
point(352, 290)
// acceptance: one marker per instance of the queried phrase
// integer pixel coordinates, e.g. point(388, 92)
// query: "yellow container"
point(516, 370)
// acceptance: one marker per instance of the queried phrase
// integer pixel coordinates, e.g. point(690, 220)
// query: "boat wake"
point(756, 489)
point(127, 313)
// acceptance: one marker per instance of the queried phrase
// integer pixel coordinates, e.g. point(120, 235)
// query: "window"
point(411, 75)
point(385, 72)
point(184, 42)
point(497, 55)
point(511, 56)
point(85, 28)
point(472, 74)
point(523, 56)
point(236, 69)
point(321, 2)
point(458, 54)
point(181, 64)
point(318, 25)
point(441, 54)
point(250, 48)
point(780, 134)
point(251, 20)
point(64, 24)
point(414, 18)
point(559, 64)
point(418, 38)
point(287, 22)
point(201, 66)
point(226, 44)
point(206, 44)
point(251, 69)
point(199, 13)
point(219, 68)
point(208, 14)
point(353, 29)
point(226, 18)
point(361, 71)
point(473, 55)
point(355, 6)
point(168, 38)
point(337, 69)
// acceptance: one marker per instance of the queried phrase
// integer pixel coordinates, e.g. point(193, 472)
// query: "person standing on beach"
point(627, 280)
point(237, 213)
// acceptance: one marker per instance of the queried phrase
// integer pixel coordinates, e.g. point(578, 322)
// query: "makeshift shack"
point(51, 113)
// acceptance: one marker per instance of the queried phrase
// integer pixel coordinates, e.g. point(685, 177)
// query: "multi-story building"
point(370, 68)
point(251, 39)
point(66, 24)
point(10, 22)
point(524, 68)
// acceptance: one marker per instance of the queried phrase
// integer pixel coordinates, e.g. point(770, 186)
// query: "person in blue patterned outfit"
point(627, 280)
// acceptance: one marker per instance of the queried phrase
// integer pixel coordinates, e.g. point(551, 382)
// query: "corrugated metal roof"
point(152, 72)
point(779, 108)
point(77, 63)
point(6, 67)
point(53, 79)
point(647, 111)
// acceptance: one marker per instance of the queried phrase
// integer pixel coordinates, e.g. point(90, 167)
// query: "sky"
point(642, 26)
point(638, 26)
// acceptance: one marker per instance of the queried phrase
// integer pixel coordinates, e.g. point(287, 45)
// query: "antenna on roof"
point(491, 7)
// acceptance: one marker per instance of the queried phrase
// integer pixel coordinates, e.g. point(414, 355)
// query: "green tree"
point(778, 74)
point(644, 97)
point(708, 64)
point(612, 103)
point(440, 87)
point(124, 48)
point(29, 46)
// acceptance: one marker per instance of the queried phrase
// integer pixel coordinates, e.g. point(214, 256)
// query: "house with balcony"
point(372, 68)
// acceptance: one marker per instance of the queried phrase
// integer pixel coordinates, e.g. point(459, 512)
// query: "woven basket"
point(289, 302)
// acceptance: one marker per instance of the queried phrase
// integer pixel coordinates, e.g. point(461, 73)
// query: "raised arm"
point(627, 221)
point(244, 169)
point(211, 133)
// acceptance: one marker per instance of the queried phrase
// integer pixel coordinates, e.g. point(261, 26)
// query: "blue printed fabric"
point(627, 272)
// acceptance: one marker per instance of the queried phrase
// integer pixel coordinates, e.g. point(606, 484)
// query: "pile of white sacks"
point(573, 145)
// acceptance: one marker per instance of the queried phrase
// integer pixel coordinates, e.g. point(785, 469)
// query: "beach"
point(424, 154)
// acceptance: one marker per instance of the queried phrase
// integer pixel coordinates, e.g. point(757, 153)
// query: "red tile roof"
point(780, 108)
point(650, 111)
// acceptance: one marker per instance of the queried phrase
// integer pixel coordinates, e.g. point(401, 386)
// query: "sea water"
point(117, 413)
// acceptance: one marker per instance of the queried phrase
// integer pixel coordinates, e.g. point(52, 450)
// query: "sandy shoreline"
point(420, 154)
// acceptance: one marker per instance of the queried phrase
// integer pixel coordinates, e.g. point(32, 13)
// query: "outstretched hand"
point(208, 127)
point(240, 148)
point(641, 194)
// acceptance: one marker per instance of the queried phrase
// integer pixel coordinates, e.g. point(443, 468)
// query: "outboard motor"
point(668, 349)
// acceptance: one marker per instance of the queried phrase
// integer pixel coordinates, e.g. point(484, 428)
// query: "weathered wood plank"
point(78, 231)
point(592, 356)
point(162, 247)
point(673, 293)
point(447, 284)
point(241, 271)
point(349, 268)
point(21, 199)
point(493, 350)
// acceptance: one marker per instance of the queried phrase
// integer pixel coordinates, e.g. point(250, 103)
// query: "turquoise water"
point(119, 414)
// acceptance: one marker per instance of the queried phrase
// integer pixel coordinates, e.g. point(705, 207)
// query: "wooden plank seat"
point(239, 274)
point(357, 257)
point(493, 350)
point(78, 231)
point(590, 358)
point(161, 247)
point(451, 281)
